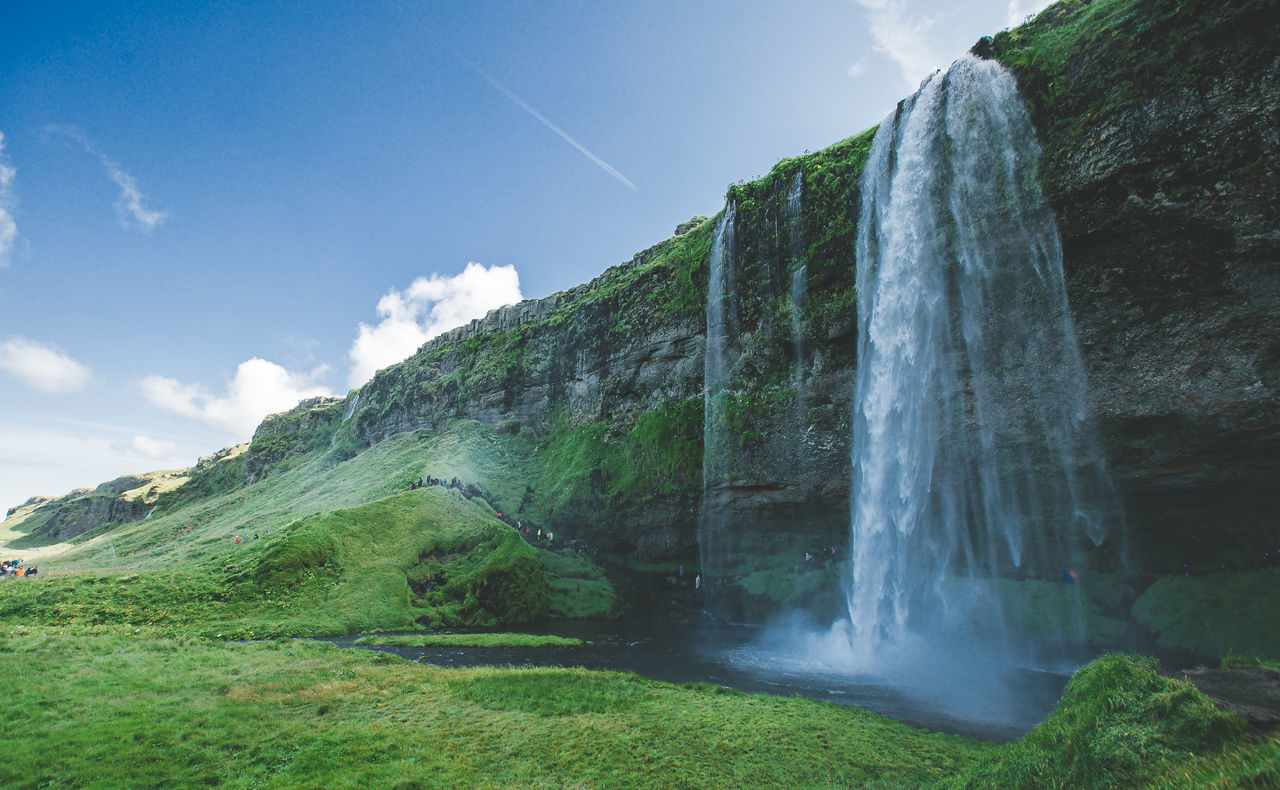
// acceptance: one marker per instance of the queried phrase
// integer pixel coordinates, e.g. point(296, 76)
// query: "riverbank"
point(119, 707)
point(135, 707)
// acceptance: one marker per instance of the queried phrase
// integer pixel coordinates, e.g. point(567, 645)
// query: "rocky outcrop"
point(1253, 693)
point(31, 502)
point(281, 437)
point(63, 518)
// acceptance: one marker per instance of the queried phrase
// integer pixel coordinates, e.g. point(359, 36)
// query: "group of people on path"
point(423, 482)
point(16, 569)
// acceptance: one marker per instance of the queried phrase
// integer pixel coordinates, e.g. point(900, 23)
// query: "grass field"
point(469, 640)
point(109, 707)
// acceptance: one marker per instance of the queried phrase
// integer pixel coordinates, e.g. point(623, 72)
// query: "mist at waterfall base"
point(978, 483)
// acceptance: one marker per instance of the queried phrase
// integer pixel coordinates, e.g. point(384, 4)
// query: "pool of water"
point(987, 702)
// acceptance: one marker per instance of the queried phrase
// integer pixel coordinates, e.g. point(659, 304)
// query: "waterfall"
point(346, 415)
point(351, 407)
point(715, 535)
point(795, 250)
point(974, 458)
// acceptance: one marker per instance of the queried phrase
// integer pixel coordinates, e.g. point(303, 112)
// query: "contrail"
point(524, 105)
point(129, 204)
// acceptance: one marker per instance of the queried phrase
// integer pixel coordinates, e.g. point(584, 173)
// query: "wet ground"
point(752, 660)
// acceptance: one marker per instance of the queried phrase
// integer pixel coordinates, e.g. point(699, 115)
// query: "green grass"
point(1120, 724)
point(341, 572)
point(110, 707)
point(469, 640)
point(1215, 613)
point(579, 587)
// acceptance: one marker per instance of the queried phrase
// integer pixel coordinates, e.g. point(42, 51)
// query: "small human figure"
point(255, 536)
point(237, 538)
point(697, 582)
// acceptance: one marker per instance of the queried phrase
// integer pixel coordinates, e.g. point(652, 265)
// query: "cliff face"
point(1162, 145)
point(1159, 128)
point(120, 501)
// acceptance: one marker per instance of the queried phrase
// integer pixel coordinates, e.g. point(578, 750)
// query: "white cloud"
point(52, 461)
point(858, 68)
point(153, 448)
point(129, 203)
point(429, 306)
point(42, 367)
point(8, 228)
point(1019, 10)
point(901, 36)
point(259, 388)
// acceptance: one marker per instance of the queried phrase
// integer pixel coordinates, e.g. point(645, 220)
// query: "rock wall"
point(1159, 126)
point(1168, 202)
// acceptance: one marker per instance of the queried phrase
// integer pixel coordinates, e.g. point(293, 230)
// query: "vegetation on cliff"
point(111, 662)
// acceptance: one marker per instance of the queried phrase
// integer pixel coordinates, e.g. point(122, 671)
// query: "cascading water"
point(974, 459)
point(795, 242)
point(351, 407)
point(346, 415)
point(715, 536)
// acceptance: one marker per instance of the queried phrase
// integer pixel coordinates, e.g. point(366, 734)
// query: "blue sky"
point(210, 210)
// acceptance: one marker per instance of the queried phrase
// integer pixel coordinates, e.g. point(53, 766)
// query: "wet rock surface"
point(1251, 692)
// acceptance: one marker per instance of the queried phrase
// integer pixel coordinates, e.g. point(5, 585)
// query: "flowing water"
point(715, 527)
point(799, 275)
point(749, 659)
point(351, 407)
point(974, 456)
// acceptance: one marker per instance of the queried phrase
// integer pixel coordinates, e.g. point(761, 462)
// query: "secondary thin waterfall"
point(974, 458)
point(795, 250)
point(715, 536)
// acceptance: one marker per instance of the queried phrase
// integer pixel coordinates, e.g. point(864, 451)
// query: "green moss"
point(1119, 724)
point(1214, 614)
point(662, 452)
point(1083, 61)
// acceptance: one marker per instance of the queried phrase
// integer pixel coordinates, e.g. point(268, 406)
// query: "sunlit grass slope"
point(311, 570)
point(345, 571)
point(112, 708)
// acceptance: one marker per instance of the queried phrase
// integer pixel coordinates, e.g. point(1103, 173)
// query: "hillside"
point(553, 460)
point(1158, 127)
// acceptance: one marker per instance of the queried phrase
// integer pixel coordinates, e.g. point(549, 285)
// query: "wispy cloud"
point(258, 388)
point(129, 204)
point(8, 228)
point(857, 68)
point(429, 306)
point(901, 36)
point(524, 105)
point(156, 449)
point(42, 367)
